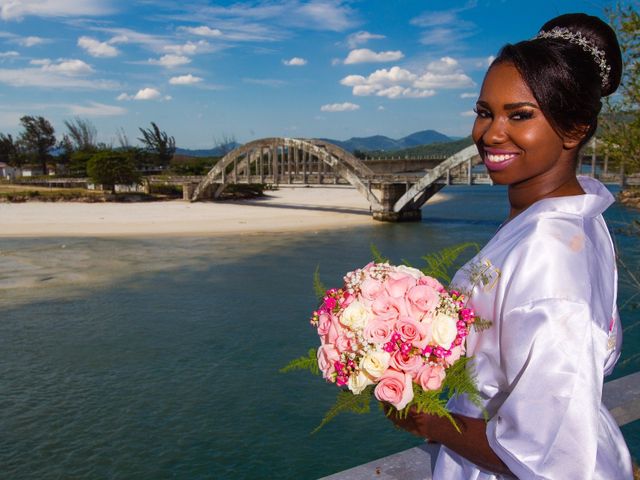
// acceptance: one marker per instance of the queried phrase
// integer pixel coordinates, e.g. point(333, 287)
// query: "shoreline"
point(288, 209)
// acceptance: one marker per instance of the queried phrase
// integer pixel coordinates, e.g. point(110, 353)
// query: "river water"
point(158, 358)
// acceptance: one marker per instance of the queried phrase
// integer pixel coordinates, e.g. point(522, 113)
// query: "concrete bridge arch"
point(392, 197)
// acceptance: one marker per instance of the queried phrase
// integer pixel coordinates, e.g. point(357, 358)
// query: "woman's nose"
point(494, 132)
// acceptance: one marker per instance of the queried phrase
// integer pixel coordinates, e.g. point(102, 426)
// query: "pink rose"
point(456, 353)
point(387, 308)
point(335, 330)
point(431, 282)
point(370, 289)
point(378, 331)
point(343, 343)
point(430, 377)
point(397, 284)
point(395, 387)
point(324, 322)
point(412, 331)
point(327, 356)
point(422, 299)
point(410, 364)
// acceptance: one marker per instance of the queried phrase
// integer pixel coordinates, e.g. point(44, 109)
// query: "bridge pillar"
point(388, 194)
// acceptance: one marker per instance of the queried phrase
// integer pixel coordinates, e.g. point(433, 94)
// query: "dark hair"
point(563, 77)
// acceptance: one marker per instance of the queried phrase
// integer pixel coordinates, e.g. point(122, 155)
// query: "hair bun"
point(599, 35)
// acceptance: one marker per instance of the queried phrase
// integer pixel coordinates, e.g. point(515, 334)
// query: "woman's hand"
point(415, 423)
point(469, 440)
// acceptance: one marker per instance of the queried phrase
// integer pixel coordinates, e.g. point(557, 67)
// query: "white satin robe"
point(548, 281)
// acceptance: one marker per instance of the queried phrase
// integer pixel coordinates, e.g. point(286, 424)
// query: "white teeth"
point(498, 158)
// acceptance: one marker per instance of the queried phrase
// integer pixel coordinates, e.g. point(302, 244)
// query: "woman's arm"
point(471, 442)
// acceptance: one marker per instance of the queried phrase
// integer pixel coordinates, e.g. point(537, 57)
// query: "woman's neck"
point(522, 196)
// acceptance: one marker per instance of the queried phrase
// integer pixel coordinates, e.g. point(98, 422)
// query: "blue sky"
point(205, 70)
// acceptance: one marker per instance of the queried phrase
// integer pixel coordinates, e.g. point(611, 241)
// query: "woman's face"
point(515, 140)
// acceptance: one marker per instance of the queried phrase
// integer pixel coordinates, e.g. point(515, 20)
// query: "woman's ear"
point(575, 138)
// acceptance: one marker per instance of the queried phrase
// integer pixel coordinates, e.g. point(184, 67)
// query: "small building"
point(7, 172)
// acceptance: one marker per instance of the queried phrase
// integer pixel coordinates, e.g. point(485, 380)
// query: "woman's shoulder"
point(558, 256)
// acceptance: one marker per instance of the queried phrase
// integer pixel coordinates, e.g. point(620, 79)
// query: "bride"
point(547, 279)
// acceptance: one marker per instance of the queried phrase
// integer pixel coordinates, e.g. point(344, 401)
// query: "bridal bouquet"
point(394, 333)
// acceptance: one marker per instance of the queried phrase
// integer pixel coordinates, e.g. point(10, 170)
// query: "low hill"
point(382, 143)
point(444, 149)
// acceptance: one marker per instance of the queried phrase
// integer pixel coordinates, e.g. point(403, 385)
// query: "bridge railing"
point(621, 396)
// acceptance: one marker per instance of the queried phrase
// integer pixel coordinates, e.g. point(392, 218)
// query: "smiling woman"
point(547, 280)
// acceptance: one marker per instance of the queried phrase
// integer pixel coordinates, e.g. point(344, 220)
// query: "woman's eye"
point(482, 113)
point(521, 115)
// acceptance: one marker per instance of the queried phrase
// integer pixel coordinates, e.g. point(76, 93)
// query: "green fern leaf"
point(348, 402)
point(439, 263)
point(377, 256)
point(318, 287)
point(310, 362)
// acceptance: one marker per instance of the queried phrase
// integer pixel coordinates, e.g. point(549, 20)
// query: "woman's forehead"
point(504, 83)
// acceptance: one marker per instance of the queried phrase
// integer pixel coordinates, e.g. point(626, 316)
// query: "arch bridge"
point(391, 196)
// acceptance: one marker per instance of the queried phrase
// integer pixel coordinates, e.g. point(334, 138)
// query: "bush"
point(110, 167)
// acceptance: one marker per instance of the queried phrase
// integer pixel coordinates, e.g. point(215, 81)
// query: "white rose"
point(355, 316)
point(358, 382)
point(414, 272)
point(444, 330)
point(375, 363)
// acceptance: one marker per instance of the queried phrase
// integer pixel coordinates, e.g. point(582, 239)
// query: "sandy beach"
point(283, 210)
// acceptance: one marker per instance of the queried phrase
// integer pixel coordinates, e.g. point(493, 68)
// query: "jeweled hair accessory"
point(578, 39)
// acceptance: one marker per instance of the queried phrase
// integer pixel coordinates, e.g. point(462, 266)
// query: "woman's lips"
point(496, 159)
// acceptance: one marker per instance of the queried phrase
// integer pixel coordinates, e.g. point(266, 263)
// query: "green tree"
point(109, 168)
point(158, 143)
point(82, 134)
point(621, 118)
point(9, 151)
point(38, 138)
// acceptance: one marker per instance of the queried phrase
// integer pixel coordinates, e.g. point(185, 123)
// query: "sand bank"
point(283, 210)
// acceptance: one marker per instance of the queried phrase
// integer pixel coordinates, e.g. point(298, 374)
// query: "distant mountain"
point(211, 152)
point(378, 143)
point(382, 143)
point(437, 148)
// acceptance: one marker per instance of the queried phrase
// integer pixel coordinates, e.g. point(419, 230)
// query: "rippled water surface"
point(159, 358)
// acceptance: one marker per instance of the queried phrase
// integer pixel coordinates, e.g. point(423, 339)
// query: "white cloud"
point(339, 107)
point(96, 48)
point(445, 28)
point(48, 78)
point(444, 73)
point(170, 60)
point(381, 108)
point(361, 37)
point(147, 94)
point(11, 53)
point(189, 48)
point(490, 59)
point(18, 9)
point(72, 67)
point(468, 95)
point(31, 41)
point(398, 82)
point(95, 109)
point(333, 15)
point(295, 62)
point(185, 80)
point(468, 113)
point(364, 55)
point(203, 31)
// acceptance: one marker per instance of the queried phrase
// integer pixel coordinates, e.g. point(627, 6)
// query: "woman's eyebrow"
point(509, 106)
point(514, 106)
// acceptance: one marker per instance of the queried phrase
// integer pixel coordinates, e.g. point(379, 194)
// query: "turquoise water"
point(159, 358)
